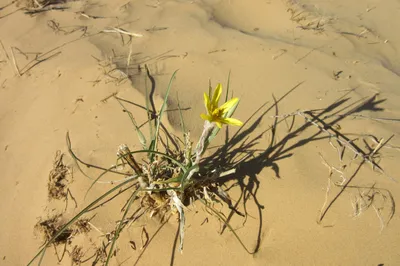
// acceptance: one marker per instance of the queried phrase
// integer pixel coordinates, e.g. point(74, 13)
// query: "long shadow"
point(239, 152)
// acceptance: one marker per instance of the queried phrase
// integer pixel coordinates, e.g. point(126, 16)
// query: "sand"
point(309, 55)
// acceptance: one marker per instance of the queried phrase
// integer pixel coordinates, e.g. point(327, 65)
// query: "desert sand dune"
point(311, 68)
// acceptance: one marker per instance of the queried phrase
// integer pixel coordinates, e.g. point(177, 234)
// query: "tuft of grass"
point(161, 185)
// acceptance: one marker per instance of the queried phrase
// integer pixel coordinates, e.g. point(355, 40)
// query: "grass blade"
point(183, 128)
point(184, 168)
point(159, 117)
point(76, 160)
point(150, 112)
point(141, 137)
point(100, 176)
point(228, 84)
point(120, 226)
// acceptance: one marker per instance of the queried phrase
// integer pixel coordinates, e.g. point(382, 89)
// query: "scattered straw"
point(122, 31)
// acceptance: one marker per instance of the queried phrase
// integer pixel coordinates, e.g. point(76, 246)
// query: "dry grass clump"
point(39, 4)
point(50, 227)
point(59, 178)
point(33, 7)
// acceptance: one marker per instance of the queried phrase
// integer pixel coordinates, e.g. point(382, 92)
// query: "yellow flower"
point(217, 114)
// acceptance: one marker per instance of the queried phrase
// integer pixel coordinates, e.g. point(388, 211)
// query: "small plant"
point(169, 179)
point(173, 174)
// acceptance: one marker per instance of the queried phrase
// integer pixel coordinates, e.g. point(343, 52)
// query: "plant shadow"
point(240, 151)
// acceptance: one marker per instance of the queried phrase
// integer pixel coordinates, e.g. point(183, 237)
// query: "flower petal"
point(216, 96)
point(207, 103)
point(229, 104)
point(232, 121)
point(206, 117)
point(218, 124)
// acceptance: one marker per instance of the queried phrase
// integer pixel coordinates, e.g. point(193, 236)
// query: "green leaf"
point(149, 112)
point(159, 117)
point(183, 128)
point(77, 161)
point(120, 225)
point(228, 84)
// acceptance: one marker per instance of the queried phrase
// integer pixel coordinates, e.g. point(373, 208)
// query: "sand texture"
point(319, 89)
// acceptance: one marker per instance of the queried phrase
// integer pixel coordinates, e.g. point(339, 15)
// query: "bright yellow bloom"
point(217, 114)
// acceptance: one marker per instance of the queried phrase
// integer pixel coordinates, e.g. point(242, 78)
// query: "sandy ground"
point(329, 56)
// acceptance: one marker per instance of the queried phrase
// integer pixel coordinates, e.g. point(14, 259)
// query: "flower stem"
point(200, 148)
